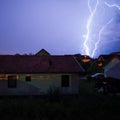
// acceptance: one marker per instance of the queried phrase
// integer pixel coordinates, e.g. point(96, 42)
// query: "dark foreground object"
point(82, 107)
point(108, 85)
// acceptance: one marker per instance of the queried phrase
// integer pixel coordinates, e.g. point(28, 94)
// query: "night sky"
point(59, 26)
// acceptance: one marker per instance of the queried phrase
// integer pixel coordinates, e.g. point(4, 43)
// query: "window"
point(28, 78)
point(12, 81)
point(3, 77)
point(65, 81)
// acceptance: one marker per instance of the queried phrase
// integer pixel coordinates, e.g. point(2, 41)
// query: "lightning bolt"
point(99, 38)
point(89, 22)
point(103, 28)
point(112, 5)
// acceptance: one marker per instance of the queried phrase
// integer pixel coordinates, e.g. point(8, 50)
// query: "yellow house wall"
point(40, 83)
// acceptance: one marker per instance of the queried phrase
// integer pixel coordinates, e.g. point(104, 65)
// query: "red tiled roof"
point(39, 64)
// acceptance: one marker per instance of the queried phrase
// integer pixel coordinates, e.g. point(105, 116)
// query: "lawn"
point(88, 105)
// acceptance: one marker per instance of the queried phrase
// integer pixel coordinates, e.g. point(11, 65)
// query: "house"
point(110, 81)
point(86, 58)
point(112, 69)
point(43, 52)
point(83, 58)
point(115, 53)
point(36, 74)
point(85, 61)
point(103, 59)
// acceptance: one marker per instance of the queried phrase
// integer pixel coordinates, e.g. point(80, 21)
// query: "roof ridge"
point(78, 63)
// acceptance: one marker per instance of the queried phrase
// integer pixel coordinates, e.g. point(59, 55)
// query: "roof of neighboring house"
point(42, 52)
point(109, 56)
point(83, 58)
point(115, 53)
point(113, 65)
point(104, 57)
point(39, 64)
point(114, 61)
point(113, 70)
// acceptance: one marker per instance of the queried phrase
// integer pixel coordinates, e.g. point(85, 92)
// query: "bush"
point(53, 93)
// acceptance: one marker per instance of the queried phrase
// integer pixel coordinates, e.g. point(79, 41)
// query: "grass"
point(88, 105)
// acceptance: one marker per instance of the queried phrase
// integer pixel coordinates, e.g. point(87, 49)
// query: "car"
point(98, 75)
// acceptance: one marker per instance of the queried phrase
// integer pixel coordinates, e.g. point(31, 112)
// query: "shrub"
point(53, 93)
